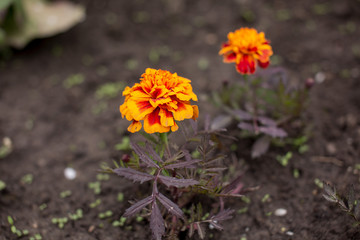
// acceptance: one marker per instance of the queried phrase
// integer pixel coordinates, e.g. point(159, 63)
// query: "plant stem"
point(165, 142)
point(252, 90)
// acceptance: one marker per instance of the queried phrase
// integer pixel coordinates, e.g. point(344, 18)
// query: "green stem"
point(164, 140)
point(252, 91)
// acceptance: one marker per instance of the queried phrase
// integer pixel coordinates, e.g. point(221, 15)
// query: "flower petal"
point(246, 65)
point(135, 126)
point(139, 109)
point(152, 123)
point(166, 118)
point(174, 128)
point(196, 112)
point(231, 57)
point(264, 64)
point(184, 111)
point(125, 111)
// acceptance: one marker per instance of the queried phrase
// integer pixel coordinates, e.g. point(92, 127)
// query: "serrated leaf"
point(177, 182)
point(156, 222)
point(175, 157)
point(273, 131)
point(134, 175)
point(260, 147)
point(223, 215)
point(145, 158)
point(216, 169)
point(342, 205)
point(138, 206)
point(329, 198)
point(235, 185)
point(215, 159)
point(186, 164)
point(329, 190)
point(216, 225)
point(200, 230)
point(153, 153)
point(170, 206)
point(221, 122)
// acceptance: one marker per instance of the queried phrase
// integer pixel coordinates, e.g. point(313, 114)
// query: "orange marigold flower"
point(160, 99)
point(247, 48)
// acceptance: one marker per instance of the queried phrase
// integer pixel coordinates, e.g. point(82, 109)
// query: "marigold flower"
point(160, 99)
point(247, 48)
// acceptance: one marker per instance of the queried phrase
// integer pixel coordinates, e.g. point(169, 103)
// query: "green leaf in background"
point(5, 3)
point(43, 19)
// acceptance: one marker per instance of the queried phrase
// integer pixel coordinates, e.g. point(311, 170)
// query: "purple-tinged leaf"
point(134, 175)
point(153, 153)
point(273, 131)
point(242, 115)
point(156, 222)
point(145, 158)
point(215, 224)
point(329, 198)
point(170, 206)
point(138, 206)
point(246, 126)
point(200, 230)
point(215, 169)
point(267, 121)
point(221, 122)
point(186, 164)
point(175, 157)
point(187, 155)
point(329, 190)
point(260, 147)
point(234, 187)
point(177, 182)
point(342, 205)
point(223, 215)
point(215, 159)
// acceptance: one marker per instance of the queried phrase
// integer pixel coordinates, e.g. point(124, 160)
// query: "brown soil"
point(53, 127)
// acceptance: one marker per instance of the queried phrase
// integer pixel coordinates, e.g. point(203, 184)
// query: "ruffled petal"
point(246, 65)
point(231, 57)
point(135, 126)
point(196, 112)
point(124, 110)
point(152, 123)
point(184, 111)
point(139, 109)
point(166, 118)
point(174, 128)
point(264, 64)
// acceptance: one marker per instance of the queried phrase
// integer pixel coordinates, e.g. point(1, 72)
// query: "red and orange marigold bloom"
point(160, 99)
point(247, 48)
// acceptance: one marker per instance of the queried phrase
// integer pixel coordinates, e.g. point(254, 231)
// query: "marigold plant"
point(160, 99)
point(247, 48)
